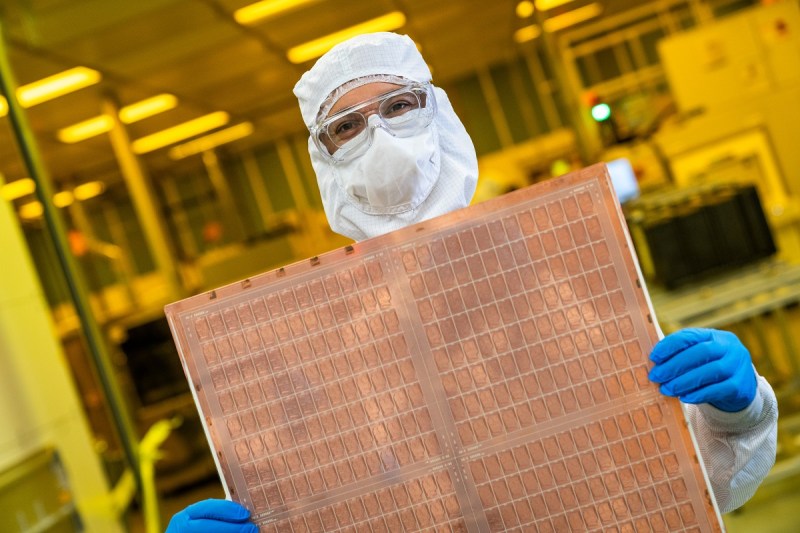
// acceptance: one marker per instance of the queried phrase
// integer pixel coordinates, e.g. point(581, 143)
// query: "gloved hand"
point(705, 366)
point(219, 516)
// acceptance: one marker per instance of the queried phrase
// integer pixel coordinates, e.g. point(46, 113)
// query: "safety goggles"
point(403, 113)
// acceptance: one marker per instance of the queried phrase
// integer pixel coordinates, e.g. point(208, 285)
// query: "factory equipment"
point(736, 86)
point(37, 491)
point(688, 234)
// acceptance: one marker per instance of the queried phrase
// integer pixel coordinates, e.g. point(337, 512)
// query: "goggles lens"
point(403, 113)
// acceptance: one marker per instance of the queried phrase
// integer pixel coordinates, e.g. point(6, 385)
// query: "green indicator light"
point(601, 112)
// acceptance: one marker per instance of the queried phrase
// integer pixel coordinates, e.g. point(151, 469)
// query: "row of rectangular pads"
point(352, 313)
point(612, 474)
point(323, 408)
point(536, 348)
point(525, 366)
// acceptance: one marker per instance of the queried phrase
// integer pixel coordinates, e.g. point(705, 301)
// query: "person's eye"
point(347, 128)
point(400, 105)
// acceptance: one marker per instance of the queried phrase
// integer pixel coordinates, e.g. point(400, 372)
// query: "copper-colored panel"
point(484, 371)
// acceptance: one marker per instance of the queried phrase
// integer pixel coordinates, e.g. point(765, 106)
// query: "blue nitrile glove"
point(705, 366)
point(219, 516)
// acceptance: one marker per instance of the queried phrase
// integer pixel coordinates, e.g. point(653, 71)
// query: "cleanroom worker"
point(389, 151)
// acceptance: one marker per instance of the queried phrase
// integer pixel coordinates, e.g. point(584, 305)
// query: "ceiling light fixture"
point(180, 132)
point(317, 47)
point(88, 190)
point(544, 5)
point(570, 18)
point(265, 9)
point(18, 189)
point(31, 211)
point(528, 33)
point(525, 9)
point(63, 199)
point(57, 85)
point(128, 114)
point(212, 140)
point(86, 129)
point(52, 87)
point(147, 108)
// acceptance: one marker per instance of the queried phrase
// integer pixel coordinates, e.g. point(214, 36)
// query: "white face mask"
point(453, 174)
point(395, 174)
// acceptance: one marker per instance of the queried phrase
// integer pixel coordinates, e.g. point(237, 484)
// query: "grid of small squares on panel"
point(316, 386)
point(620, 473)
point(426, 503)
point(528, 324)
point(486, 373)
point(525, 318)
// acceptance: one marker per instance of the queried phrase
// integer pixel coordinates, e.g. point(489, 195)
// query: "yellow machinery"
point(736, 83)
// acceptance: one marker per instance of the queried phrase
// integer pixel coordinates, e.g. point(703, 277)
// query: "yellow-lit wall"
point(38, 403)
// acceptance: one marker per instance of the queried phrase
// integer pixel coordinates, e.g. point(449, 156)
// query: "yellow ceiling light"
point(265, 9)
point(525, 9)
point(128, 114)
point(573, 17)
point(212, 140)
point(544, 5)
point(63, 198)
point(31, 210)
point(180, 132)
point(18, 189)
point(317, 47)
point(3, 106)
point(147, 108)
point(88, 190)
point(86, 129)
point(528, 33)
point(57, 85)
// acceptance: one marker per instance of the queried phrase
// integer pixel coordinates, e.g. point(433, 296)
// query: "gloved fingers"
point(222, 510)
point(726, 395)
point(697, 378)
point(688, 359)
point(204, 525)
point(673, 343)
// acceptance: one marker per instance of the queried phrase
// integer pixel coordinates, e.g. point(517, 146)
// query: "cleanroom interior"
point(156, 151)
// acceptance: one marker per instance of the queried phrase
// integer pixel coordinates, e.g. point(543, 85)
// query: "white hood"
point(386, 54)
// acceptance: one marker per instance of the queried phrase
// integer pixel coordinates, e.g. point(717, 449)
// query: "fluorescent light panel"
point(317, 47)
point(525, 9)
point(26, 186)
point(18, 189)
point(57, 85)
point(128, 114)
point(86, 129)
point(88, 190)
point(544, 5)
point(528, 33)
point(52, 87)
point(211, 141)
point(265, 9)
point(147, 108)
point(31, 210)
point(180, 132)
point(570, 18)
point(63, 198)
